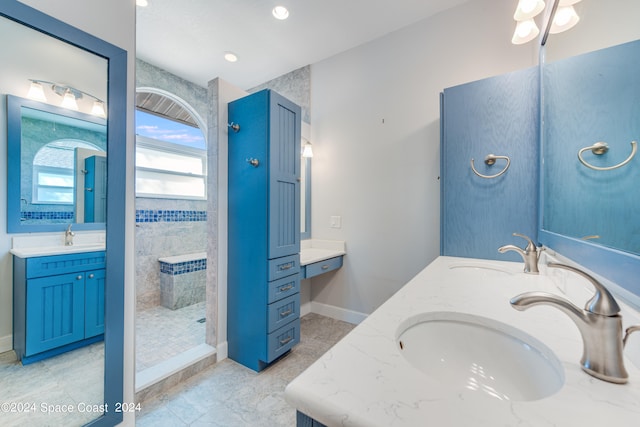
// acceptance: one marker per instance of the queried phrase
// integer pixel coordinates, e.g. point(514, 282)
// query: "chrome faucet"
point(68, 236)
point(530, 254)
point(599, 323)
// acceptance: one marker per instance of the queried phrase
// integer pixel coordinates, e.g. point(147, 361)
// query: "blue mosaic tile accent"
point(183, 267)
point(148, 215)
point(46, 215)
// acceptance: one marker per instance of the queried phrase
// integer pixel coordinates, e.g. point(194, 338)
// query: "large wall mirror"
point(590, 97)
point(50, 149)
point(58, 157)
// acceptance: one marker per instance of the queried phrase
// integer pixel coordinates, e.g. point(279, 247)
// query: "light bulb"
point(528, 9)
point(69, 101)
point(98, 109)
point(525, 31)
point(36, 91)
point(280, 12)
point(564, 19)
point(307, 151)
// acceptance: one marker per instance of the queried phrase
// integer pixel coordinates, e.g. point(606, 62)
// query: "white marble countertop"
point(315, 250)
point(365, 381)
point(46, 244)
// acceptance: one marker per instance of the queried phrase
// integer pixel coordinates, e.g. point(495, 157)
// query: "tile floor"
point(72, 378)
point(162, 333)
point(228, 394)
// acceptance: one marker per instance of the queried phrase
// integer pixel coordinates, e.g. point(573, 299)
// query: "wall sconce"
point(307, 151)
point(69, 95)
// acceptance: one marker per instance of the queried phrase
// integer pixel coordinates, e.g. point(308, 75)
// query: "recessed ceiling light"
point(230, 56)
point(142, 3)
point(280, 12)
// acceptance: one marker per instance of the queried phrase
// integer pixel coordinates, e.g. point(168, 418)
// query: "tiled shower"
point(170, 244)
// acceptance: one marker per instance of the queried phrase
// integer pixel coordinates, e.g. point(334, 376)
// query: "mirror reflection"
point(62, 167)
point(591, 88)
point(48, 147)
point(592, 194)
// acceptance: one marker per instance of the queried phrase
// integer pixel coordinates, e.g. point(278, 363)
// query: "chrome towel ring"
point(490, 160)
point(599, 148)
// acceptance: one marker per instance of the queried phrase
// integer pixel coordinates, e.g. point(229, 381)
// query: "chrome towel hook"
point(490, 160)
point(599, 148)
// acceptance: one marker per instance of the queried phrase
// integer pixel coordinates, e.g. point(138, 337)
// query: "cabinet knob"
point(91, 276)
point(253, 162)
point(79, 277)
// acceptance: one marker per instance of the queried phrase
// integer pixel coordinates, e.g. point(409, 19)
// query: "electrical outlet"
point(335, 222)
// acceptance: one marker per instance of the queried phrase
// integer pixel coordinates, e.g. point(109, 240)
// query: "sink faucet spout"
point(68, 236)
point(599, 324)
point(530, 254)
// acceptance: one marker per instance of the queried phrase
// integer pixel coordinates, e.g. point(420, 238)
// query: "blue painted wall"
point(500, 116)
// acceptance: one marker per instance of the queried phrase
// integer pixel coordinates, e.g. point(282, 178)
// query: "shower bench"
point(183, 279)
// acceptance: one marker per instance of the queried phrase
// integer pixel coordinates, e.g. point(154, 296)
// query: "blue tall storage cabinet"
point(500, 116)
point(263, 304)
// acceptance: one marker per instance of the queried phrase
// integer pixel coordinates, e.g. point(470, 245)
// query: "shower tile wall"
point(164, 228)
point(176, 232)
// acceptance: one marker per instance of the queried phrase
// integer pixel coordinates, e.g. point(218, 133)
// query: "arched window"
point(53, 171)
point(171, 156)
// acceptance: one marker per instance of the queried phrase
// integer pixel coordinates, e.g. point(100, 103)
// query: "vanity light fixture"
point(230, 57)
point(69, 95)
point(142, 3)
point(307, 151)
point(564, 18)
point(280, 12)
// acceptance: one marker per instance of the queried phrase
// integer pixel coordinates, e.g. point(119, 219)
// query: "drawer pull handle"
point(286, 288)
point(286, 266)
point(286, 313)
point(324, 267)
point(79, 277)
point(286, 340)
point(91, 276)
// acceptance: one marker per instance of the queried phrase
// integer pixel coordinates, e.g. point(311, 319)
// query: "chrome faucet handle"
point(629, 331)
point(531, 247)
point(602, 302)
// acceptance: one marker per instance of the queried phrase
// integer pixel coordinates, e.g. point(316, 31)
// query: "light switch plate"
point(335, 222)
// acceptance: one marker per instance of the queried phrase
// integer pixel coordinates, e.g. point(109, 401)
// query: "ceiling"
point(189, 38)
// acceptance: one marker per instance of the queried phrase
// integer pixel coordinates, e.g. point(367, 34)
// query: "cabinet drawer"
point(283, 267)
point(63, 264)
point(320, 267)
point(284, 287)
point(282, 340)
point(282, 312)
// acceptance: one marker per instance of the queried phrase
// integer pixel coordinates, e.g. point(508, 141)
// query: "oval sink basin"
point(477, 354)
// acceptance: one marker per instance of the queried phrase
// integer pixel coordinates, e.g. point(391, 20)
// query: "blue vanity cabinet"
point(58, 303)
point(263, 304)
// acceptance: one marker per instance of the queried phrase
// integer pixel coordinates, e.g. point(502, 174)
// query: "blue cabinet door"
point(95, 191)
point(54, 312)
point(94, 303)
point(284, 177)
point(500, 116)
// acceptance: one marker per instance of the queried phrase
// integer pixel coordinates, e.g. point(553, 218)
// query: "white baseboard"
point(222, 351)
point(338, 313)
point(305, 308)
point(6, 343)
